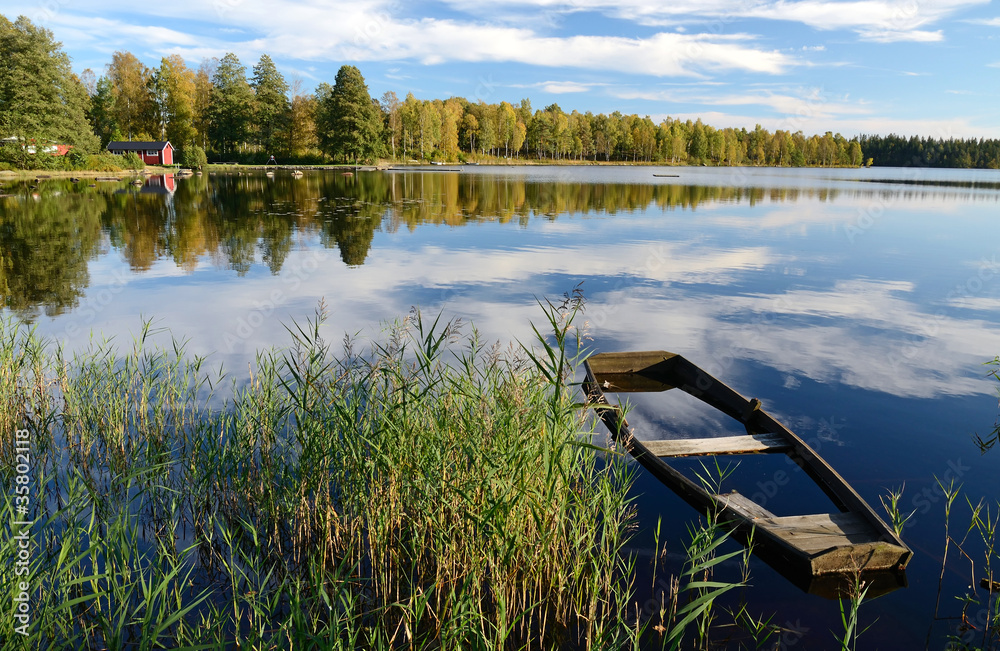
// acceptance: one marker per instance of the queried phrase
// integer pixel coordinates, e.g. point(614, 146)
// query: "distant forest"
point(223, 112)
point(896, 151)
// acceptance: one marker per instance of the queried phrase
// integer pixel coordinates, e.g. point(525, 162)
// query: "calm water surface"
point(859, 305)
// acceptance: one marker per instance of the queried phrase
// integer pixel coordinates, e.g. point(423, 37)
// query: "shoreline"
point(65, 174)
point(381, 166)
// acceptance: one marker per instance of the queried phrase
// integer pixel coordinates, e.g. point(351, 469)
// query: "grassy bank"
point(426, 491)
point(66, 174)
point(381, 164)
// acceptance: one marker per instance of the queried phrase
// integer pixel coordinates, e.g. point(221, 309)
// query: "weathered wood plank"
point(627, 363)
point(745, 444)
point(815, 533)
point(743, 505)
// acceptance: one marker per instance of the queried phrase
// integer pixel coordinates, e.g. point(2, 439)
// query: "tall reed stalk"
point(429, 491)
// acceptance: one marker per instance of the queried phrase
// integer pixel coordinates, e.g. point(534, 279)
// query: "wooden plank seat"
point(743, 444)
point(811, 533)
point(815, 533)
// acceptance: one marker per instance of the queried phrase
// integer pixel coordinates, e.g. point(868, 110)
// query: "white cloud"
point(892, 35)
point(876, 20)
point(807, 105)
point(376, 31)
point(989, 22)
point(560, 87)
point(433, 41)
point(72, 28)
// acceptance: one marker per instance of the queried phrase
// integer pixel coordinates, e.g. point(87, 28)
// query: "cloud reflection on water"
point(725, 276)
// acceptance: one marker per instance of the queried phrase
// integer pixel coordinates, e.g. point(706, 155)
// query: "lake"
point(859, 305)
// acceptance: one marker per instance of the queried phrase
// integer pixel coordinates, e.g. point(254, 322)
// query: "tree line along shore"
point(223, 112)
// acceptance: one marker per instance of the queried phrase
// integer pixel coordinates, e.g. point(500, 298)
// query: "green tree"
point(605, 136)
point(470, 126)
point(451, 114)
point(203, 100)
point(506, 126)
point(301, 121)
point(134, 110)
point(174, 85)
point(101, 112)
point(271, 106)
point(393, 120)
point(430, 127)
point(324, 120)
point(231, 106)
point(40, 97)
point(352, 129)
point(854, 153)
point(698, 147)
point(194, 156)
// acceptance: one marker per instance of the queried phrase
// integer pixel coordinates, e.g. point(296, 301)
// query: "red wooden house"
point(160, 152)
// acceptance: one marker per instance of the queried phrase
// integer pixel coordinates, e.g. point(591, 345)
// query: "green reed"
point(423, 490)
point(976, 625)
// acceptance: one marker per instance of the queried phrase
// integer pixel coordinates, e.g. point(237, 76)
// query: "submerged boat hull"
point(849, 542)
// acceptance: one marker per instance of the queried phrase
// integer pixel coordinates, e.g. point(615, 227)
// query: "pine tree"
point(232, 105)
point(271, 106)
point(352, 125)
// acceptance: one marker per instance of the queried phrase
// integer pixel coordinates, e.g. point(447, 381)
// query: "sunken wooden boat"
point(852, 540)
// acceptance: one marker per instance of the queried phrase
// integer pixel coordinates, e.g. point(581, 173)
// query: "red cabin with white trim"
point(159, 152)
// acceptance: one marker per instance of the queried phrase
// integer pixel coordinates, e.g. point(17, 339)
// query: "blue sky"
point(923, 67)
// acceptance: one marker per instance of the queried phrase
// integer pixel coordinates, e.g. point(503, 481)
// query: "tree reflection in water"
point(238, 220)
